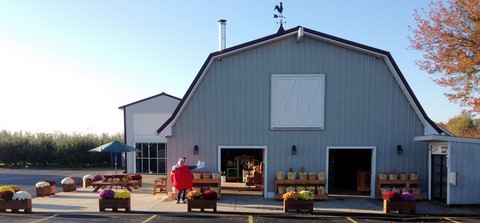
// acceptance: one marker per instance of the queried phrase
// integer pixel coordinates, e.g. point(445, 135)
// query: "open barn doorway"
point(349, 171)
point(243, 170)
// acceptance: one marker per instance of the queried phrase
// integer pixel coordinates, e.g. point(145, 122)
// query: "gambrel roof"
point(300, 32)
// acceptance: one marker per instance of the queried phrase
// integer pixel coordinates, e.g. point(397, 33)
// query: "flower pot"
point(384, 190)
point(290, 188)
point(392, 176)
point(303, 176)
point(87, 183)
point(321, 176)
point(197, 175)
point(46, 191)
point(321, 190)
point(298, 205)
point(216, 175)
point(413, 176)
point(202, 204)
point(42, 191)
point(280, 175)
point(299, 188)
point(114, 204)
point(311, 189)
point(69, 187)
point(382, 176)
point(206, 175)
point(291, 175)
point(399, 206)
point(15, 206)
point(52, 189)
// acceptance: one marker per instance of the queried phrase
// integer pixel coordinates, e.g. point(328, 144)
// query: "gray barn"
point(301, 98)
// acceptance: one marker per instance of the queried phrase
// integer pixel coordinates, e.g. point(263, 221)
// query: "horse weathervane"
point(279, 9)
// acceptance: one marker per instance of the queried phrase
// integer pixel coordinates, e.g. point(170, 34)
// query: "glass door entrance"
point(439, 177)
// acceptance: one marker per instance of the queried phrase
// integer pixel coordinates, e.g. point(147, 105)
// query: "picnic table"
point(110, 180)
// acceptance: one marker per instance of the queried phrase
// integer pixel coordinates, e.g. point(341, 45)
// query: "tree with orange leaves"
point(450, 38)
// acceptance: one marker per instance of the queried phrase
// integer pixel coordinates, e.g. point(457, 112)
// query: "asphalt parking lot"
point(217, 217)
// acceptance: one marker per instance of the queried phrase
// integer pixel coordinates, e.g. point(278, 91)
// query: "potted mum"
point(87, 181)
point(302, 175)
point(97, 178)
point(394, 201)
point(302, 200)
point(110, 199)
point(69, 184)
point(45, 188)
point(280, 175)
point(13, 199)
point(291, 175)
point(207, 199)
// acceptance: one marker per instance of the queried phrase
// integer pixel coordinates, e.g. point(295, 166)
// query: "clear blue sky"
point(68, 65)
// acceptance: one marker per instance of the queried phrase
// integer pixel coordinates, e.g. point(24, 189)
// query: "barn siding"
point(464, 159)
point(364, 106)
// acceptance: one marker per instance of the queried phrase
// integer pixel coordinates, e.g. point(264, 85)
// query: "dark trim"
point(161, 94)
point(125, 136)
point(286, 32)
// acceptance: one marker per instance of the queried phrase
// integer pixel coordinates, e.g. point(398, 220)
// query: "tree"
point(463, 125)
point(450, 38)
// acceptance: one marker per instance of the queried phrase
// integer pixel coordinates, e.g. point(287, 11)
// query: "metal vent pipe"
point(222, 35)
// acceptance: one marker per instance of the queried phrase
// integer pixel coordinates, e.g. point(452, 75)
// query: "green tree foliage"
point(56, 149)
point(463, 125)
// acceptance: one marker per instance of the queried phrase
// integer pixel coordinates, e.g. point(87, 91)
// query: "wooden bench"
point(159, 186)
point(134, 183)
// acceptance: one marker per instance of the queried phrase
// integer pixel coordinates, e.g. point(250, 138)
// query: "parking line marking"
point(351, 220)
point(44, 219)
point(449, 219)
point(150, 218)
point(250, 219)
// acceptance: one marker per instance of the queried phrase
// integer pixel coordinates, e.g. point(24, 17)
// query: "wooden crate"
point(363, 181)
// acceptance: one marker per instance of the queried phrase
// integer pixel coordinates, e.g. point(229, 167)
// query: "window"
point(152, 158)
point(298, 101)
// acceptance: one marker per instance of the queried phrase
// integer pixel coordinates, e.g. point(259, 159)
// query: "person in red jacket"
point(181, 177)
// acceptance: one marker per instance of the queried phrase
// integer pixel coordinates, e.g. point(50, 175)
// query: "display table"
point(397, 184)
point(305, 183)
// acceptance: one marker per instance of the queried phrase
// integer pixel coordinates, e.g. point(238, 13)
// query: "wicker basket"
point(206, 175)
point(197, 175)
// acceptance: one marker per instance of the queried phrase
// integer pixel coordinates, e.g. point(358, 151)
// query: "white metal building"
point(141, 120)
